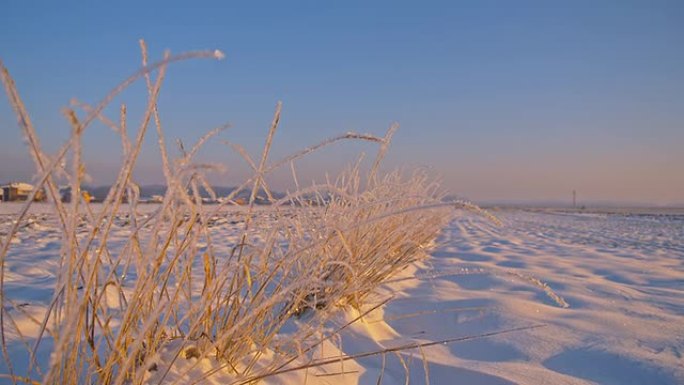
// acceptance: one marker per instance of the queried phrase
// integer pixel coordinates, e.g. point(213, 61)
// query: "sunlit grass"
point(319, 249)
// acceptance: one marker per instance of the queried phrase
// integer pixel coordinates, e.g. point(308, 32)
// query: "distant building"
point(20, 192)
point(87, 197)
point(65, 195)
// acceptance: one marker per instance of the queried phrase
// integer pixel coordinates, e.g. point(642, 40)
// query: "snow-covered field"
point(602, 293)
point(609, 288)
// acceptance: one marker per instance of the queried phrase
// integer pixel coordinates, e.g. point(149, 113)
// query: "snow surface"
point(604, 293)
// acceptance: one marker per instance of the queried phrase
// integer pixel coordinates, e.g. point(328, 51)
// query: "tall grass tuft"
point(176, 288)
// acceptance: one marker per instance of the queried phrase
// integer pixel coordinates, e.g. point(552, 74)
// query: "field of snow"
point(608, 288)
point(563, 298)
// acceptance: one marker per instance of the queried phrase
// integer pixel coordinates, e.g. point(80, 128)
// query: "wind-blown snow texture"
point(609, 289)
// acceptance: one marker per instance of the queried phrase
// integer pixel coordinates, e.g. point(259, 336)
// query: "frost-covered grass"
point(173, 285)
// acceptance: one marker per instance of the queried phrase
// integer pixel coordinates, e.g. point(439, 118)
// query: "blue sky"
point(518, 101)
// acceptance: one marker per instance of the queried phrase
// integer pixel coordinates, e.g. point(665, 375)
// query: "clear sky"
point(507, 100)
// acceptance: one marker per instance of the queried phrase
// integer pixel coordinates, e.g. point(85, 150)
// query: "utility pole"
point(574, 199)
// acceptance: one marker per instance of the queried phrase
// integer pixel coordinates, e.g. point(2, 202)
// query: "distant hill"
point(99, 193)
